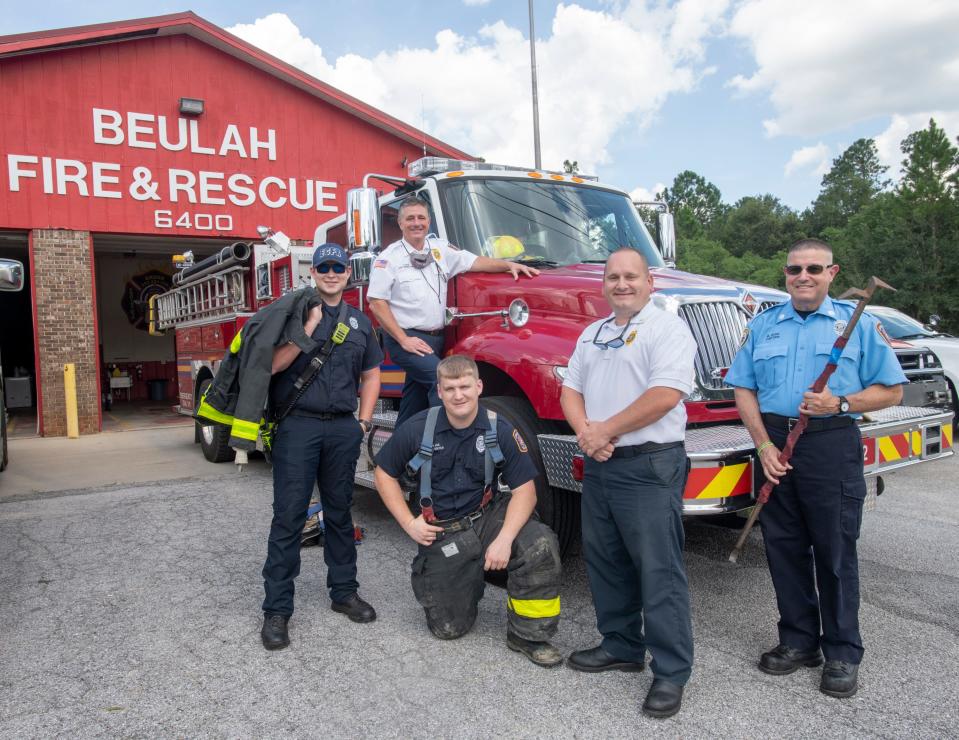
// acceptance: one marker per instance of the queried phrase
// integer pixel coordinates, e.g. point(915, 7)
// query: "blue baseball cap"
point(330, 252)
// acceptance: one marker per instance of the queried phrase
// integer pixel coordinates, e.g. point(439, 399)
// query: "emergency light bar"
point(436, 165)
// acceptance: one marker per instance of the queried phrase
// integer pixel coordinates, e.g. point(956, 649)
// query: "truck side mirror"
point(11, 275)
point(363, 225)
point(667, 238)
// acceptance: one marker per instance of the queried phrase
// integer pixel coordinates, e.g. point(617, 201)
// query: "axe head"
point(866, 294)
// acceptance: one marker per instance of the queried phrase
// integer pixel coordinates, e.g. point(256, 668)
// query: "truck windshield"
point(544, 222)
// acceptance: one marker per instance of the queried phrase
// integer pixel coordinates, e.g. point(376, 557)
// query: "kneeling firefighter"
point(466, 525)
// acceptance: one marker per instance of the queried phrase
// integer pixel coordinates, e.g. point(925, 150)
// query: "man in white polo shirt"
point(623, 397)
point(407, 295)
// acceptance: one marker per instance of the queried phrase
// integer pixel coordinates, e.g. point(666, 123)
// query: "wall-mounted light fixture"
point(191, 106)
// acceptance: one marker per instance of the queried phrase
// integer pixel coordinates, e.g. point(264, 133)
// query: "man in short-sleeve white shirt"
point(407, 295)
point(622, 395)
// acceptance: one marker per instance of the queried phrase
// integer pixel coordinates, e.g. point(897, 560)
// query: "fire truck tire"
point(556, 507)
point(214, 438)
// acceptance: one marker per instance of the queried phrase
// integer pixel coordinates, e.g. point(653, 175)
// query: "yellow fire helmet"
point(506, 247)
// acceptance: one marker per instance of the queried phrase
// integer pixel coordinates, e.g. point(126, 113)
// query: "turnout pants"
point(307, 451)
point(419, 390)
point(810, 527)
point(447, 577)
point(633, 547)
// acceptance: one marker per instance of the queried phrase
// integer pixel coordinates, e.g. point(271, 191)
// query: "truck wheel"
point(556, 507)
point(214, 438)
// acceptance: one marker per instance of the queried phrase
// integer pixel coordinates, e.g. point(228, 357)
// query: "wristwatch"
point(366, 424)
point(843, 405)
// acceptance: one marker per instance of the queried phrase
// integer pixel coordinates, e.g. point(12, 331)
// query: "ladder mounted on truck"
point(208, 297)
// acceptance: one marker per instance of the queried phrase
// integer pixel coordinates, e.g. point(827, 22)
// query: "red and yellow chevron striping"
point(900, 446)
point(719, 482)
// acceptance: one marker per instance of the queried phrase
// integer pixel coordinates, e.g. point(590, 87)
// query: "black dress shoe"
point(839, 679)
point(274, 633)
point(355, 608)
point(597, 659)
point(782, 660)
point(664, 699)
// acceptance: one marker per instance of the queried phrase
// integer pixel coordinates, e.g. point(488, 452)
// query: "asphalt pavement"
point(133, 611)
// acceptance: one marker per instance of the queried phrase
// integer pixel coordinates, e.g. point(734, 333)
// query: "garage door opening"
point(17, 344)
point(138, 370)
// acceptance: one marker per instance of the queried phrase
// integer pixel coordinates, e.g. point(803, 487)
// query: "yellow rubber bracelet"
point(763, 446)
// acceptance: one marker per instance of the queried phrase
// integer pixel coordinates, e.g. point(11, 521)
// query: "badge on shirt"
point(520, 442)
point(882, 332)
point(839, 327)
point(744, 337)
point(354, 323)
point(437, 254)
point(480, 444)
point(631, 337)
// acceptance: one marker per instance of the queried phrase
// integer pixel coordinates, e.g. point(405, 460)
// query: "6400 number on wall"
point(197, 221)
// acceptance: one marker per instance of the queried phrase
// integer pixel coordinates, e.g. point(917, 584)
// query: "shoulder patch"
point(381, 263)
point(520, 442)
point(744, 337)
point(882, 332)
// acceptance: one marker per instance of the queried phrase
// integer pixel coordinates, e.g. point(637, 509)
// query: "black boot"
point(839, 679)
point(355, 608)
point(663, 700)
point(274, 633)
point(597, 659)
point(782, 660)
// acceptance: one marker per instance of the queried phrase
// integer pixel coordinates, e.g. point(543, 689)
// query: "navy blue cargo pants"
point(810, 527)
point(307, 451)
point(633, 547)
point(419, 390)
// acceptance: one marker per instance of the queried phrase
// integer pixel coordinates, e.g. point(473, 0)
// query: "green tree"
point(856, 177)
point(704, 256)
point(694, 202)
point(759, 224)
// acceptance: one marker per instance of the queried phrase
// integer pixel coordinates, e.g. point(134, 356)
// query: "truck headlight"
point(518, 312)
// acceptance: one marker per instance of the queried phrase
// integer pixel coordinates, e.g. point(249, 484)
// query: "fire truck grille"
point(717, 328)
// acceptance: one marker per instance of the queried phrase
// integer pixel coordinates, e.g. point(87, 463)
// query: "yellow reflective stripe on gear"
point(237, 341)
point(534, 608)
point(206, 411)
point(245, 429)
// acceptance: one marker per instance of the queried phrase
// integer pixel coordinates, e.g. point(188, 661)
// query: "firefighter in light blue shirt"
point(812, 520)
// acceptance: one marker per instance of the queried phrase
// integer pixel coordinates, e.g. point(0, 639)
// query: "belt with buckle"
point(321, 416)
point(460, 524)
point(429, 332)
point(815, 424)
point(644, 448)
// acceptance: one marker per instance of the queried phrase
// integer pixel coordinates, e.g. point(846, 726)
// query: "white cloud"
point(814, 158)
point(827, 64)
point(642, 194)
point(887, 143)
point(599, 74)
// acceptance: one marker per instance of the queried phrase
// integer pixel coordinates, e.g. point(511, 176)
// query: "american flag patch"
point(381, 263)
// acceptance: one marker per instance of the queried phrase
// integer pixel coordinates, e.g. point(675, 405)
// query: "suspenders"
point(422, 462)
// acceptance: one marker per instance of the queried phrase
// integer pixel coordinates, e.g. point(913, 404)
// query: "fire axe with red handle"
point(817, 387)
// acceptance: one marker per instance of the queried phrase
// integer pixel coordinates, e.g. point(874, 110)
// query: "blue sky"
point(756, 95)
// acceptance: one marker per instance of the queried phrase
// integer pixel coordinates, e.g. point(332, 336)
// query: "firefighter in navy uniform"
point(318, 442)
point(467, 526)
point(811, 522)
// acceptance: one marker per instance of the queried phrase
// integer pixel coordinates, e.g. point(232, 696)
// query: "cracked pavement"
point(133, 610)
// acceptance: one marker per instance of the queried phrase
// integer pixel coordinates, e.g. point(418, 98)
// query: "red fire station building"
point(126, 143)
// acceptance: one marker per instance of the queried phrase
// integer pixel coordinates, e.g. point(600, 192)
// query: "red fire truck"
point(521, 334)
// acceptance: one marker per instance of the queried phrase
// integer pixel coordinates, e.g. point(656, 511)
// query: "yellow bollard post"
point(70, 395)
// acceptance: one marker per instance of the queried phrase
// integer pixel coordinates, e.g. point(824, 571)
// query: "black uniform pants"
point(810, 527)
point(633, 547)
point(419, 389)
point(447, 577)
point(307, 451)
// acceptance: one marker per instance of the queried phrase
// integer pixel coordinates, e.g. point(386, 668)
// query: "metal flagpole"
point(532, 64)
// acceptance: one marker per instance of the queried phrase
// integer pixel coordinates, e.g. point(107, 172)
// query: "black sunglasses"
point(327, 266)
point(811, 269)
point(612, 343)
